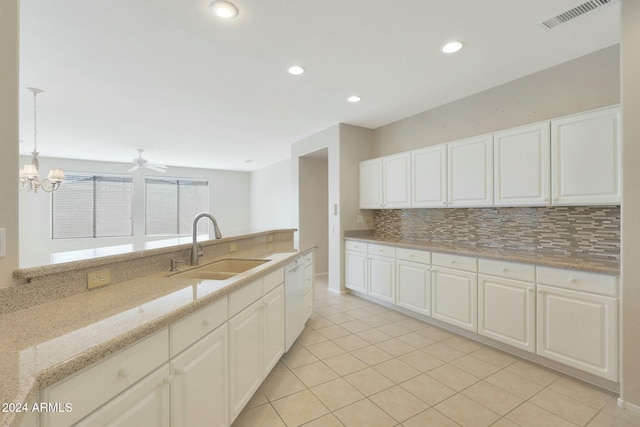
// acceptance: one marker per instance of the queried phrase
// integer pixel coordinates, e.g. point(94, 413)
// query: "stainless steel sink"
point(223, 269)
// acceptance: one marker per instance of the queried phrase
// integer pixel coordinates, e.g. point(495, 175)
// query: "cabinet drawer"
point(308, 259)
point(458, 262)
point(272, 280)
point(97, 384)
point(602, 284)
point(244, 296)
point(422, 257)
point(350, 245)
point(509, 270)
point(190, 329)
point(382, 250)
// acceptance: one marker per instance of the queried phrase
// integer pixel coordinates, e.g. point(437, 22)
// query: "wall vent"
point(574, 13)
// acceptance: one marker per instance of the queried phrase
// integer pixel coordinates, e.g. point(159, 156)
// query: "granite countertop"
point(45, 343)
point(588, 263)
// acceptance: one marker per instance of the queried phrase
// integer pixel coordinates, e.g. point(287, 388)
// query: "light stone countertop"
point(45, 343)
point(588, 263)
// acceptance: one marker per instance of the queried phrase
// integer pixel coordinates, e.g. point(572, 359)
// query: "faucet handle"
point(175, 262)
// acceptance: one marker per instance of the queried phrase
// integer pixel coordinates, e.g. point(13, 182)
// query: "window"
point(92, 206)
point(172, 203)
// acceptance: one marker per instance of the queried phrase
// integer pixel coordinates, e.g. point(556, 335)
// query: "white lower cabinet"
point(245, 357)
point(256, 342)
point(381, 274)
point(147, 403)
point(200, 389)
point(273, 326)
point(356, 271)
point(413, 286)
point(454, 297)
point(507, 311)
point(579, 329)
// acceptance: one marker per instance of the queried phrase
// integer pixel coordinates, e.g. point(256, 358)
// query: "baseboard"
point(628, 406)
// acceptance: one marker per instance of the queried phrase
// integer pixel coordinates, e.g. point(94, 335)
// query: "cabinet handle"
point(178, 371)
point(168, 380)
point(572, 280)
point(452, 262)
point(123, 372)
point(205, 322)
point(411, 256)
point(503, 269)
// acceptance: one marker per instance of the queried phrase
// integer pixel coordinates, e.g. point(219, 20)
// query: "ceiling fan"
point(139, 162)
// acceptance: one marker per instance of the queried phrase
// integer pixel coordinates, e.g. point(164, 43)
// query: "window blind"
point(172, 203)
point(92, 206)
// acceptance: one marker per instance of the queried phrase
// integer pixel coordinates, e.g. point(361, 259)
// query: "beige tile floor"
point(358, 364)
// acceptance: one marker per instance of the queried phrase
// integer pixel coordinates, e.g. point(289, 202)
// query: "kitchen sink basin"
point(223, 269)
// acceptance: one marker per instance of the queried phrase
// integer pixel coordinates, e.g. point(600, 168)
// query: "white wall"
point(228, 203)
point(630, 93)
point(9, 136)
point(271, 192)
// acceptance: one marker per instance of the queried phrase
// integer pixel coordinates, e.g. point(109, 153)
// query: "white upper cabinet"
point(429, 177)
point(396, 181)
point(470, 172)
point(385, 183)
point(371, 184)
point(522, 166)
point(585, 158)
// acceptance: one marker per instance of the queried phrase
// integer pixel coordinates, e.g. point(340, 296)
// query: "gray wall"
point(584, 83)
point(630, 68)
point(9, 136)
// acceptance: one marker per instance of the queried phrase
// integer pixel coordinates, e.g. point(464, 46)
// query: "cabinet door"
point(382, 278)
point(371, 184)
point(579, 330)
point(200, 391)
point(245, 357)
point(522, 166)
point(273, 328)
point(396, 175)
point(585, 158)
point(470, 172)
point(454, 297)
point(146, 403)
point(356, 271)
point(429, 177)
point(506, 311)
point(413, 286)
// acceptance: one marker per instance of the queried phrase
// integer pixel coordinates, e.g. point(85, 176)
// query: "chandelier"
point(29, 179)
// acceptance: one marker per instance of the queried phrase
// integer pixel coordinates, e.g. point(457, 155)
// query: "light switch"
point(3, 242)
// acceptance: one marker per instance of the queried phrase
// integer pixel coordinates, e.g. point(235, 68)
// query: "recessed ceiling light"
point(223, 9)
point(296, 70)
point(452, 47)
point(354, 98)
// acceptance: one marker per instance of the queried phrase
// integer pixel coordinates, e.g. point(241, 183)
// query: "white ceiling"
point(167, 76)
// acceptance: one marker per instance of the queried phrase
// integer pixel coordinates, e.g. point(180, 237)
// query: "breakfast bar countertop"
point(44, 343)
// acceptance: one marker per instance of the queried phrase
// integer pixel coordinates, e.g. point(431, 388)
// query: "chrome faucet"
point(194, 249)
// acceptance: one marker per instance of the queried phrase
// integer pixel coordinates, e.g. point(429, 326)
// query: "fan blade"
point(134, 168)
point(157, 168)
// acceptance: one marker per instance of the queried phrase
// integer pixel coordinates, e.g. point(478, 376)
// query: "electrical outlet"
point(270, 238)
point(98, 278)
point(233, 247)
point(360, 219)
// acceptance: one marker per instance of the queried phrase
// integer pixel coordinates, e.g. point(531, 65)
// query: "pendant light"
point(29, 175)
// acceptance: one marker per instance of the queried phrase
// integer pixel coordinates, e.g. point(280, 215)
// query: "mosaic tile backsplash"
point(593, 230)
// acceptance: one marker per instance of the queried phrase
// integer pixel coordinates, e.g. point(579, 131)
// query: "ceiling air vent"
point(574, 13)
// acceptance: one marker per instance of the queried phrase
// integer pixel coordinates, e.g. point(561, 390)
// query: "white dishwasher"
point(294, 304)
